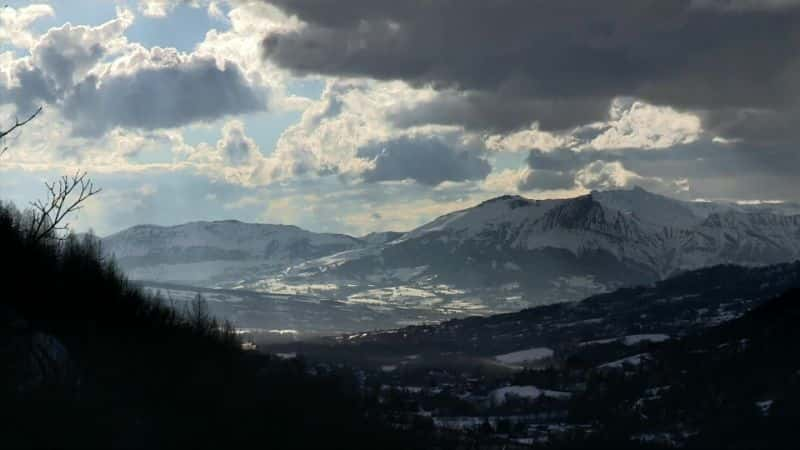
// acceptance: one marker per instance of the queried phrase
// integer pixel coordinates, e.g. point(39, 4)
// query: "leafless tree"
point(64, 197)
point(17, 124)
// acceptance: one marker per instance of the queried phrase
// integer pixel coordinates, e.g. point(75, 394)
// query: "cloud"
point(236, 158)
point(526, 61)
point(596, 170)
point(161, 8)
point(100, 81)
point(425, 160)
point(594, 175)
point(67, 53)
point(351, 114)
point(58, 59)
point(498, 112)
point(547, 180)
point(635, 124)
point(14, 23)
point(745, 5)
point(168, 89)
point(601, 175)
point(237, 149)
point(630, 124)
point(710, 168)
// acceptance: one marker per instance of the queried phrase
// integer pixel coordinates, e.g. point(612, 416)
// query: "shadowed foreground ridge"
point(89, 361)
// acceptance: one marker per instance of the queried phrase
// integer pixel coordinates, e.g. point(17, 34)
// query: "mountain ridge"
point(503, 254)
point(622, 230)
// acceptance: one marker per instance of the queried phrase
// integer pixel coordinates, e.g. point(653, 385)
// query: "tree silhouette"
point(17, 124)
point(64, 196)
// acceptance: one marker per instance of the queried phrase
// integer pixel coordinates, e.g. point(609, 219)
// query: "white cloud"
point(67, 54)
point(14, 23)
point(506, 181)
point(525, 140)
point(235, 158)
point(215, 11)
point(636, 124)
point(100, 81)
point(602, 175)
point(162, 8)
point(631, 124)
point(350, 115)
point(249, 22)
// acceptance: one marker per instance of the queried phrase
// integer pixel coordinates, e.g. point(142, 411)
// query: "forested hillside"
point(732, 386)
point(89, 361)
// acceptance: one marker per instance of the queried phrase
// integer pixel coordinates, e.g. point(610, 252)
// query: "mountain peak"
point(647, 206)
point(514, 201)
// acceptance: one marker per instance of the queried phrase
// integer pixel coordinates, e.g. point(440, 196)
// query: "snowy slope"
point(504, 254)
point(555, 250)
point(202, 251)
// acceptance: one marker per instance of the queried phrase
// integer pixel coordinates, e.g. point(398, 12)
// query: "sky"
point(356, 116)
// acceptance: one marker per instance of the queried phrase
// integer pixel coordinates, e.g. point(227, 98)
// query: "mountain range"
point(504, 254)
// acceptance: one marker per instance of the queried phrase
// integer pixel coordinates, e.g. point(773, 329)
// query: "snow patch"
point(498, 397)
point(525, 356)
point(634, 360)
point(636, 339)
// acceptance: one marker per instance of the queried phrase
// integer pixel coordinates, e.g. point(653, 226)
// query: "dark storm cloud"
point(428, 161)
point(162, 97)
point(695, 160)
point(505, 56)
point(764, 126)
point(498, 112)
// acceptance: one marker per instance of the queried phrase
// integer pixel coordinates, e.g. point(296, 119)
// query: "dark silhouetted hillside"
point(734, 386)
point(89, 361)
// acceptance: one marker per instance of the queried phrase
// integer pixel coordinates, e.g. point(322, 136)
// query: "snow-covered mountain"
point(504, 254)
point(207, 252)
point(511, 250)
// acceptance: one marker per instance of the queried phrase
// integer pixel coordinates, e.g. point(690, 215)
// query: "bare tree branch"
point(64, 197)
point(17, 124)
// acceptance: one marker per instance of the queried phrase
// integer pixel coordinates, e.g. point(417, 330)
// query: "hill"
point(205, 253)
point(708, 384)
point(732, 386)
point(599, 326)
point(89, 361)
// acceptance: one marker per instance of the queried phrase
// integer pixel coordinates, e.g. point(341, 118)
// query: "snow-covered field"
point(525, 356)
point(630, 340)
point(633, 360)
point(499, 396)
point(636, 339)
